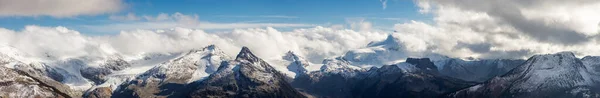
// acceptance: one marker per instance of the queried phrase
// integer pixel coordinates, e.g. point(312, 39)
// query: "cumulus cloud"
point(506, 28)
point(60, 43)
point(58, 8)
point(555, 21)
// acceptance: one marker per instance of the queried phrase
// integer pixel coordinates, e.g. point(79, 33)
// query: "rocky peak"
point(247, 76)
point(389, 68)
point(211, 47)
point(298, 64)
point(423, 63)
point(389, 40)
point(246, 55)
point(291, 56)
point(390, 43)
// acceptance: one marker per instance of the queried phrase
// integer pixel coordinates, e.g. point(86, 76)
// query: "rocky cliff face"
point(18, 84)
point(101, 92)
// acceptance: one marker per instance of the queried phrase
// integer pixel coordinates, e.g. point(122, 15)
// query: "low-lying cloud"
point(60, 43)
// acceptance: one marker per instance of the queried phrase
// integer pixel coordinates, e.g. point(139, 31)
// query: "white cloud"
point(116, 27)
point(554, 21)
point(383, 3)
point(159, 17)
point(262, 16)
point(58, 8)
point(316, 43)
point(166, 21)
point(359, 24)
point(504, 29)
point(128, 17)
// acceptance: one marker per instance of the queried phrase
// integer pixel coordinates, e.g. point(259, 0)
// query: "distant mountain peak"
point(390, 67)
point(389, 42)
point(290, 56)
point(211, 47)
point(423, 64)
point(297, 64)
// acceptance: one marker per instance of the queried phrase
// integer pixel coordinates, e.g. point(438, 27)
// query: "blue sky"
point(314, 12)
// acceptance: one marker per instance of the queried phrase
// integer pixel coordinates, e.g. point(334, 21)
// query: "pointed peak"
point(246, 54)
point(291, 56)
point(390, 43)
point(390, 37)
point(209, 48)
point(245, 50)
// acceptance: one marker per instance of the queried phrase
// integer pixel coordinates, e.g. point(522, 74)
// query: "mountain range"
point(381, 69)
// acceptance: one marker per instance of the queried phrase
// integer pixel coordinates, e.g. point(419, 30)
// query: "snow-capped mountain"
point(379, 70)
point(378, 53)
point(192, 66)
point(332, 80)
point(477, 70)
point(550, 75)
point(415, 78)
point(391, 51)
point(297, 64)
point(293, 65)
point(246, 76)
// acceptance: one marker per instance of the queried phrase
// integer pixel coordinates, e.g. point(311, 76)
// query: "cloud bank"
point(61, 43)
point(460, 28)
point(58, 8)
